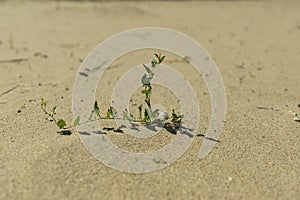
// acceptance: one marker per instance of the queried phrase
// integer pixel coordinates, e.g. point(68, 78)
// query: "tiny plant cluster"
point(146, 115)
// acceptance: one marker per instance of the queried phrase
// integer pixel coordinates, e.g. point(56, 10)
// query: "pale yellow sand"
point(256, 46)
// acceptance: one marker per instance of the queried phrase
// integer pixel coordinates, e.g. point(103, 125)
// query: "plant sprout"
point(146, 116)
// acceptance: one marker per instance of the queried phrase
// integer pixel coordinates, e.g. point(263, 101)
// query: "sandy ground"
point(256, 46)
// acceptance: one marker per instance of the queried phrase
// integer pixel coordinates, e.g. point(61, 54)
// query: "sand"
point(256, 48)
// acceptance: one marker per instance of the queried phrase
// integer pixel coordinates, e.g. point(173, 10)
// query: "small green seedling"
point(176, 119)
point(146, 116)
point(60, 123)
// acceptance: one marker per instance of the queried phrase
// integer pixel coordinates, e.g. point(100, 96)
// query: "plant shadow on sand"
point(152, 127)
point(182, 130)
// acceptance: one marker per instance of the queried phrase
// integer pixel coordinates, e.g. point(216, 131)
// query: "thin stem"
point(49, 114)
point(104, 118)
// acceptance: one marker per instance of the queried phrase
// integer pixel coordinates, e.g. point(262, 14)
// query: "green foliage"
point(97, 109)
point(111, 113)
point(149, 116)
point(127, 115)
point(140, 111)
point(159, 57)
point(146, 116)
point(176, 119)
point(77, 121)
point(61, 123)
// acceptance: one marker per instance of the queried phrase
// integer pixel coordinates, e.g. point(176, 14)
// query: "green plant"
point(60, 123)
point(146, 116)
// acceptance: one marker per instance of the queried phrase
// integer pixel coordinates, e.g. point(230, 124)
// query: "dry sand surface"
point(256, 46)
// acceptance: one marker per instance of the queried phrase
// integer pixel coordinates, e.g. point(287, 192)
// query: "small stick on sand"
point(16, 60)
point(8, 91)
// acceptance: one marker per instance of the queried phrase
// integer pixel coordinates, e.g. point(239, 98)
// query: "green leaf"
point(140, 111)
point(114, 112)
point(146, 80)
point(96, 109)
point(146, 91)
point(61, 123)
point(111, 113)
point(43, 104)
point(150, 116)
point(176, 119)
point(157, 56)
point(161, 59)
point(148, 102)
point(108, 113)
point(77, 120)
point(147, 112)
point(153, 63)
point(128, 115)
point(174, 114)
point(53, 110)
point(149, 71)
point(146, 116)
